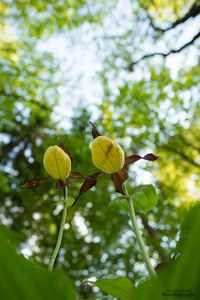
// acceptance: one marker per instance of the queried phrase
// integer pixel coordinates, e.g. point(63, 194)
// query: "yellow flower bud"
point(107, 155)
point(57, 163)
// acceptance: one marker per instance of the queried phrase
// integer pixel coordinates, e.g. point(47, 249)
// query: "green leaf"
point(70, 202)
point(179, 279)
point(119, 287)
point(22, 279)
point(144, 197)
point(13, 236)
point(120, 203)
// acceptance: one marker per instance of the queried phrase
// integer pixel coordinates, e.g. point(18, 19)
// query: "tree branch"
point(27, 101)
point(182, 155)
point(192, 13)
point(173, 51)
point(190, 145)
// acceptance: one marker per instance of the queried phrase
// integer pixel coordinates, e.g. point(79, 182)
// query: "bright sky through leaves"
point(81, 53)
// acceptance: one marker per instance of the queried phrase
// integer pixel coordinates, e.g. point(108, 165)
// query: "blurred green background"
point(132, 68)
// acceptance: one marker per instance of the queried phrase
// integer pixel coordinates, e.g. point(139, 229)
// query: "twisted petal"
point(76, 175)
point(33, 183)
point(133, 158)
point(88, 184)
point(95, 132)
point(119, 178)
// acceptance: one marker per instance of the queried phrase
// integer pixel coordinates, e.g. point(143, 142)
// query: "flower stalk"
point(139, 238)
point(61, 230)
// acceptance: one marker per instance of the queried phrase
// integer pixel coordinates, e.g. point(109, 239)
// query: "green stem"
point(60, 234)
point(139, 239)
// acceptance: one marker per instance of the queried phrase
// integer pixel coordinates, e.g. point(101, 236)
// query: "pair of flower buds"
point(107, 156)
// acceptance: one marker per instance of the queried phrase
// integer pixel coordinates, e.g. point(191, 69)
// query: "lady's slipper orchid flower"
point(108, 156)
point(57, 162)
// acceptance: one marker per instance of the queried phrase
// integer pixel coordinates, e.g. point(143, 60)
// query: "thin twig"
point(173, 51)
